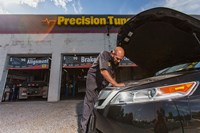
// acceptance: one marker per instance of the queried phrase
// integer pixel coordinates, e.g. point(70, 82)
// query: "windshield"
point(180, 67)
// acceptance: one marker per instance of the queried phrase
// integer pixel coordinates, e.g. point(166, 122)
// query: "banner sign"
point(85, 61)
point(45, 24)
point(80, 61)
point(28, 63)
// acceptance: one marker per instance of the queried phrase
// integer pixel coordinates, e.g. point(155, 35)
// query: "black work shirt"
point(103, 62)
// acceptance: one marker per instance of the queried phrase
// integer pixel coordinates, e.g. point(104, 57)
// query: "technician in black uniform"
point(101, 73)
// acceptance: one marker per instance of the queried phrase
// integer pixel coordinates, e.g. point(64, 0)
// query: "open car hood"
point(159, 38)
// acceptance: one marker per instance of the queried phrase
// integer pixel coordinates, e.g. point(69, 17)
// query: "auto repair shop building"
point(55, 49)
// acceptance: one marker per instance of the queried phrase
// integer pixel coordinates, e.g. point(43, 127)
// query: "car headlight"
point(154, 94)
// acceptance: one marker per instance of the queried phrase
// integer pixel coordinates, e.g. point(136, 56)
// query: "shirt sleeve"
point(103, 60)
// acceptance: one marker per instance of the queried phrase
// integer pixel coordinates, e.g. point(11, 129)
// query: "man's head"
point(118, 54)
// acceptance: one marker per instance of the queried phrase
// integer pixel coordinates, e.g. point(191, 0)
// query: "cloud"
point(2, 11)
point(31, 3)
point(145, 6)
point(186, 6)
point(77, 7)
point(63, 4)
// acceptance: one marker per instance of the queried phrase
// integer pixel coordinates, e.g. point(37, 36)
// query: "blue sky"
point(94, 6)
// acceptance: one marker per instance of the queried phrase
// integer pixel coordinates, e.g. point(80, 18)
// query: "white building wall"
point(3, 71)
point(54, 45)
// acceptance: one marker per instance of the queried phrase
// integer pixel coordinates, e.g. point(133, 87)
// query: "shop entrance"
point(73, 82)
point(74, 73)
point(27, 79)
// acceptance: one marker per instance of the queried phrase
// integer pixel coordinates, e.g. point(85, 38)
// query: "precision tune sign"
point(91, 20)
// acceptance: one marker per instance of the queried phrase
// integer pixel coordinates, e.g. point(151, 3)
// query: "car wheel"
point(91, 125)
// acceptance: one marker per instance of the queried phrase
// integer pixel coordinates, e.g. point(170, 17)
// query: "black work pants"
point(89, 101)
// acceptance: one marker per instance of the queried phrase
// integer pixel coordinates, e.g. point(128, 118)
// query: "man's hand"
point(108, 77)
point(119, 85)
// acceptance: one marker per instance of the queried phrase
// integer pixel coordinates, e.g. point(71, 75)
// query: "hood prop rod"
point(195, 35)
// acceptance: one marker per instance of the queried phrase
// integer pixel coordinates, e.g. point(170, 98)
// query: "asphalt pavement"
point(40, 116)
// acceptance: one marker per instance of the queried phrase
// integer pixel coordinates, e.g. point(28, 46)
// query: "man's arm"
point(109, 78)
